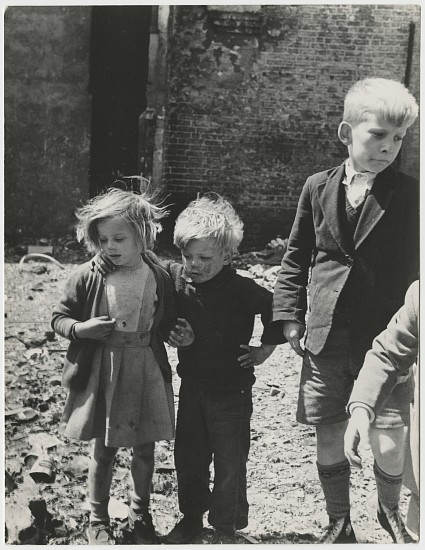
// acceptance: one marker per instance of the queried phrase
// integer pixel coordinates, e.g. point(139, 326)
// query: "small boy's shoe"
point(223, 537)
point(392, 523)
point(100, 533)
point(142, 527)
point(185, 531)
point(339, 531)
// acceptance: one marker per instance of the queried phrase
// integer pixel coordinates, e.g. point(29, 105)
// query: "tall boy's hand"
point(181, 335)
point(293, 332)
point(256, 355)
point(102, 264)
point(357, 430)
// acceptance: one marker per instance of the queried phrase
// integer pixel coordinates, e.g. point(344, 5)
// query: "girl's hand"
point(102, 263)
point(98, 328)
point(181, 335)
point(256, 355)
point(357, 430)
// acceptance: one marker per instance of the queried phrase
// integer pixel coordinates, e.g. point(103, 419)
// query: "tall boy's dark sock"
point(388, 487)
point(335, 480)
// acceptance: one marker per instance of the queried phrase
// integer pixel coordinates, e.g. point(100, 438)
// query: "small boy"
point(357, 229)
point(216, 371)
point(393, 354)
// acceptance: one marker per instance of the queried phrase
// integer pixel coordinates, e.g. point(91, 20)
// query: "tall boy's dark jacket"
point(81, 301)
point(378, 268)
point(222, 313)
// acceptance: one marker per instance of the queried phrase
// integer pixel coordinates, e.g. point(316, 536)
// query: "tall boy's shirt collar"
point(357, 184)
point(350, 173)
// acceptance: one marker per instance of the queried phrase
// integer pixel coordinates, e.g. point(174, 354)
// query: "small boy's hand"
point(293, 332)
point(357, 430)
point(181, 335)
point(98, 328)
point(102, 263)
point(256, 355)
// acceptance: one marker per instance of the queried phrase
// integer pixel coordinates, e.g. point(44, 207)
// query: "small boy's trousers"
point(213, 425)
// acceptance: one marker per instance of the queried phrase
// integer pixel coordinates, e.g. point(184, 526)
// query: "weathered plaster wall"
point(47, 117)
point(256, 96)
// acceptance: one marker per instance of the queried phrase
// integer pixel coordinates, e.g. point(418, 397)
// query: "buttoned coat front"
point(378, 264)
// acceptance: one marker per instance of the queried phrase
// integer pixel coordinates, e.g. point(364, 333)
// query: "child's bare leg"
point(100, 478)
point(389, 450)
point(330, 443)
point(142, 468)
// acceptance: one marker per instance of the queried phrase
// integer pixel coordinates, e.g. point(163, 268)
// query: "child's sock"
point(99, 511)
point(335, 480)
point(388, 487)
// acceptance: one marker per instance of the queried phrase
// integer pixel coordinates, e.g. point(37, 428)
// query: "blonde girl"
point(116, 368)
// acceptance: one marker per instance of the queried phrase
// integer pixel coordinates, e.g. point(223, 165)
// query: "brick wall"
point(256, 98)
point(47, 118)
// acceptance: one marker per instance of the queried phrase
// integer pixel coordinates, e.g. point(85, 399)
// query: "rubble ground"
point(286, 503)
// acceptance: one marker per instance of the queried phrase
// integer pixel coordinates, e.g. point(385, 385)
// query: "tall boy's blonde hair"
point(383, 97)
point(135, 209)
point(209, 217)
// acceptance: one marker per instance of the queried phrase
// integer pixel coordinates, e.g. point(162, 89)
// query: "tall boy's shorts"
point(327, 380)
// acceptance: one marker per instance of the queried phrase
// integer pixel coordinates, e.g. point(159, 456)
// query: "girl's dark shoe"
point(100, 533)
point(392, 523)
point(141, 526)
point(339, 531)
point(185, 531)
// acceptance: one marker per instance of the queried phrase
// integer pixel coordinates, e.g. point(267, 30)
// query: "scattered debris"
point(281, 459)
point(37, 256)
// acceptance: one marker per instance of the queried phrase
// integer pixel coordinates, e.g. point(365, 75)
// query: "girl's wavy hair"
point(209, 217)
point(136, 209)
point(389, 99)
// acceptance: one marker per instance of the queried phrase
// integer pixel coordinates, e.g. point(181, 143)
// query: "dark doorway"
point(119, 61)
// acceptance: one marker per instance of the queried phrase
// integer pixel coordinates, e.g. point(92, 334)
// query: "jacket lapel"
point(328, 194)
point(375, 205)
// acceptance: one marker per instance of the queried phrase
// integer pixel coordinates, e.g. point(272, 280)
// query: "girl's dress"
point(134, 404)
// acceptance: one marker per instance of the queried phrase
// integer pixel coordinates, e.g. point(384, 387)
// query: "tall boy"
point(356, 228)
point(217, 371)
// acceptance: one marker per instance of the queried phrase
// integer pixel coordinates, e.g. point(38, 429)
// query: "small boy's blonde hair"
point(386, 98)
point(209, 217)
point(136, 210)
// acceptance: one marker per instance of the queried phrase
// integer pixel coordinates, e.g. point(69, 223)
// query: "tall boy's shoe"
point(392, 523)
point(339, 531)
point(223, 537)
point(185, 531)
point(100, 533)
point(142, 527)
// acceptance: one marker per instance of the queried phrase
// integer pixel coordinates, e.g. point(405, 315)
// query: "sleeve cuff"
point(73, 335)
point(357, 404)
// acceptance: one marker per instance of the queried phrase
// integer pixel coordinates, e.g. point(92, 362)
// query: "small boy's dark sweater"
point(221, 312)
